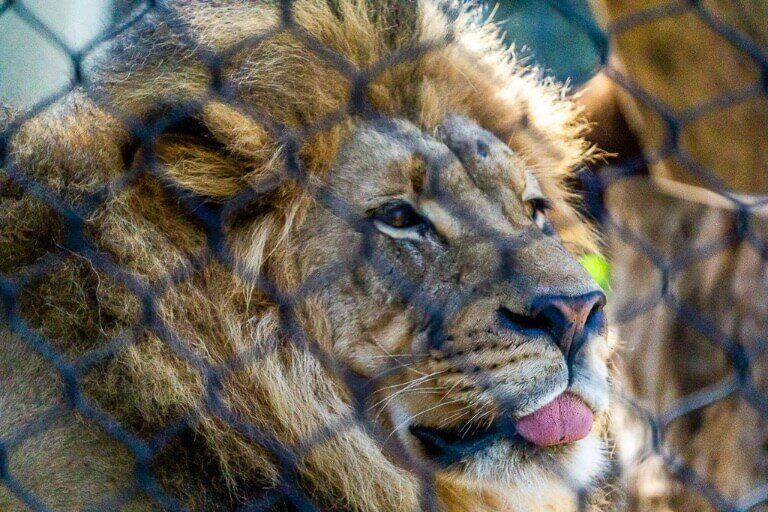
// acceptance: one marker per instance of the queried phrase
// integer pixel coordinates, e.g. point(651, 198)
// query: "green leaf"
point(599, 268)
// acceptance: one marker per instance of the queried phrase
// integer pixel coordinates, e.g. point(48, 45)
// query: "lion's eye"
point(399, 215)
point(539, 209)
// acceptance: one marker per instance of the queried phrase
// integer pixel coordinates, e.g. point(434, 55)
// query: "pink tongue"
point(564, 420)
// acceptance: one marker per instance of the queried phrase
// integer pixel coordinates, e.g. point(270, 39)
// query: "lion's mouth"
point(446, 446)
point(564, 420)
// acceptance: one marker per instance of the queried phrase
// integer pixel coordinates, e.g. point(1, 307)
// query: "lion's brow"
point(416, 168)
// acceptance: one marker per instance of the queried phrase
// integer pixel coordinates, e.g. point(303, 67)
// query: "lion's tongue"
point(564, 420)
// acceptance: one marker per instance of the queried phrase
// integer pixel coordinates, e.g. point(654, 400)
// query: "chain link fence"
point(730, 339)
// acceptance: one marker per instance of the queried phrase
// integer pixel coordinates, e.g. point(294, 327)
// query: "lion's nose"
point(568, 318)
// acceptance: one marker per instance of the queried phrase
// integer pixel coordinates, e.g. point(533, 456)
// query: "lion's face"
point(485, 337)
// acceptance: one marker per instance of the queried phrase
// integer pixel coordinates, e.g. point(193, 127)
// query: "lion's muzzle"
point(569, 318)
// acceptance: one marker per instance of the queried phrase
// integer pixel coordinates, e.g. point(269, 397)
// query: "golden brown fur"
point(215, 312)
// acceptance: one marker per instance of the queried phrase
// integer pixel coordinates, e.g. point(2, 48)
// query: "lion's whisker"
point(388, 354)
point(391, 369)
point(391, 356)
point(457, 414)
point(478, 414)
point(410, 382)
point(381, 404)
point(414, 416)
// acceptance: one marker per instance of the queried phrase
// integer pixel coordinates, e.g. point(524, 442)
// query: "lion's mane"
point(203, 101)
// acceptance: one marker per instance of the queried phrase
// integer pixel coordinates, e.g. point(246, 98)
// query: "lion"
point(311, 258)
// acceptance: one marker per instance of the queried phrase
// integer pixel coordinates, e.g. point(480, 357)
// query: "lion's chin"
point(530, 469)
point(504, 477)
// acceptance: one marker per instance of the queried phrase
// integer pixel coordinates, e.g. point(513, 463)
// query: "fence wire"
point(288, 492)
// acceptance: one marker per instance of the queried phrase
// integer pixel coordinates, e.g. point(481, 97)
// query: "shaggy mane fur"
point(233, 134)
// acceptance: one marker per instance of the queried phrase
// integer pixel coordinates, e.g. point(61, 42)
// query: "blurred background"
point(32, 65)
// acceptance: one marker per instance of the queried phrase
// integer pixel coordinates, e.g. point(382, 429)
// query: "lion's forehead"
point(460, 161)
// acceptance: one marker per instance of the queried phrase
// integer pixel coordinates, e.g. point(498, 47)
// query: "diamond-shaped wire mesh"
point(709, 285)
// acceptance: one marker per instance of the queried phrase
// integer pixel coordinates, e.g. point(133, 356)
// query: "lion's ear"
point(218, 153)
